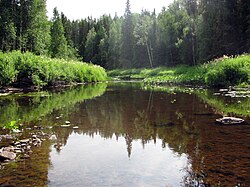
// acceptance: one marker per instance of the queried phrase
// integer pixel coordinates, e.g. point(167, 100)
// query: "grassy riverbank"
point(218, 73)
point(28, 69)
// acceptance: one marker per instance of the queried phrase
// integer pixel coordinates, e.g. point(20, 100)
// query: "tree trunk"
point(149, 56)
point(151, 53)
point(193, 50)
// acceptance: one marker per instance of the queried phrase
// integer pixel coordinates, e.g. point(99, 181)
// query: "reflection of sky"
point(87, 161)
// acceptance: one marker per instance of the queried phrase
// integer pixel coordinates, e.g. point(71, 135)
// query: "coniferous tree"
point(22, 23)
point(58, 47)
point(7, 25)
point(127, 38)
point(187, 32)
point(84, 27)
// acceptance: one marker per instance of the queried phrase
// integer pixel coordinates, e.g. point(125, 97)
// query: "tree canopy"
point(186, 32)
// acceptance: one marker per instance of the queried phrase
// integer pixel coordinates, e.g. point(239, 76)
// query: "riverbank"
point(222, 72)
point(27, 70)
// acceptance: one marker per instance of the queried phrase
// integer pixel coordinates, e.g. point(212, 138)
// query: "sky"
point(80, 9)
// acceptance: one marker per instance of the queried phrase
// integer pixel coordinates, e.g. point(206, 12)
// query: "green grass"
point(43, 71)
point(218, 73)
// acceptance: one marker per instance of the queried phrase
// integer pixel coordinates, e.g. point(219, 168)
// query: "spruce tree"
point(127, 38)
point(7, 25)
point(58, 47)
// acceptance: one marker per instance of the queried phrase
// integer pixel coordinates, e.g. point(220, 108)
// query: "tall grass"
point(228, 71)
point(42, 71)
point(218, 73)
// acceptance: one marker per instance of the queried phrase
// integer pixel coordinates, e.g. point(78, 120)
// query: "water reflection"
point(87, 161)
point(132, 137)
point(35, 106)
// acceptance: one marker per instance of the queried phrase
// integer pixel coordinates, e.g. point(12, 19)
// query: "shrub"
point(42, 71)
point(227, 73)
point(7, 69)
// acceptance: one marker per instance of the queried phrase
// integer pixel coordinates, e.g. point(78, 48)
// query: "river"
point(126, 134)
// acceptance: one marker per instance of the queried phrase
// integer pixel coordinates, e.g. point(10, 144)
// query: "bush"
point(41, 71)
point(7, 69)
point(227, 73)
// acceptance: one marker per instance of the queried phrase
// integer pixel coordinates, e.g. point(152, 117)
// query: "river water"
point(125, 134)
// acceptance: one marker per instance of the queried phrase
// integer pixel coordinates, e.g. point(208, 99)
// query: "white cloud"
point(77, 9)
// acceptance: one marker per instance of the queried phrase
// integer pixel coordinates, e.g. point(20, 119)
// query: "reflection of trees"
point(138, 115)
point(128, 115)
point(238, 105)
point(33, 106)
point(181, 121)
point(184, 125)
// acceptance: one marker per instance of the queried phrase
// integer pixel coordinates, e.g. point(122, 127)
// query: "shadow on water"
point(174, 127)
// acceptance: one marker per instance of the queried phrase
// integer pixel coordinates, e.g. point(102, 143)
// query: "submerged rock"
point(25, 141)
point(67, 125)
point(7, 155)
point(53, 137)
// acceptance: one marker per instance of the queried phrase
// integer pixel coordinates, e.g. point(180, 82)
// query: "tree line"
point(186, 32)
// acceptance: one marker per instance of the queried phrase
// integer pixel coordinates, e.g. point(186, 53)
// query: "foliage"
point(12, 125)
point(141, 33)
point(38, 32)
point(114, 42)
point(58, 40)
point(127, 38)
point(45, 71)
point(228, 72)
point(187, 32)
point(218, 73)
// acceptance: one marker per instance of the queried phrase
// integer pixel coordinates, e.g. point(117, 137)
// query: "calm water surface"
point(125, 135)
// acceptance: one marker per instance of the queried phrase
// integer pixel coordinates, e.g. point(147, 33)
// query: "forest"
point(187, 32)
